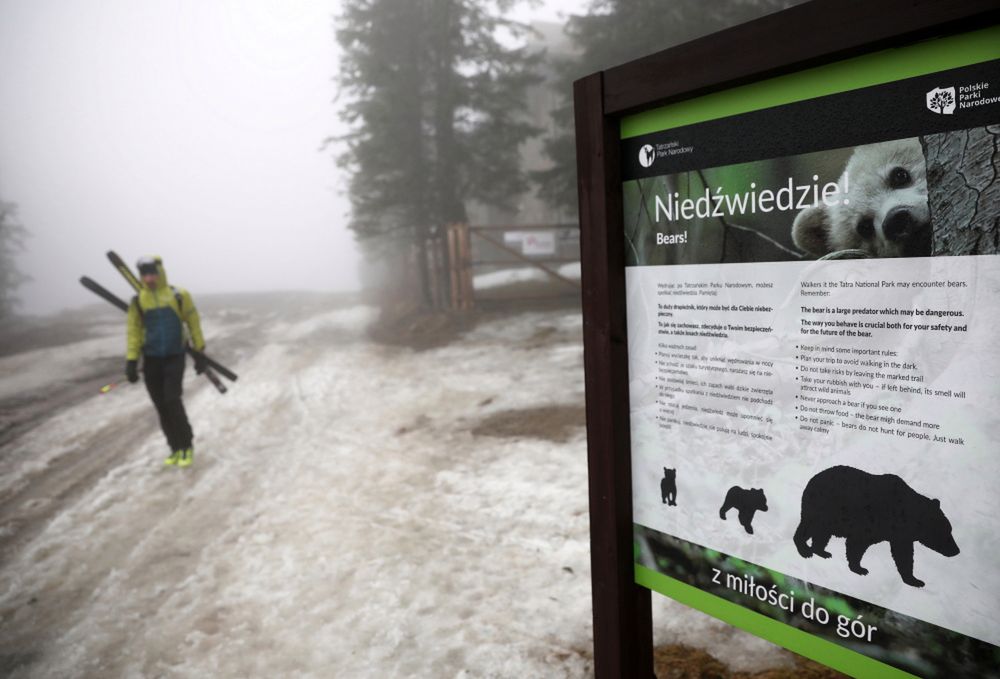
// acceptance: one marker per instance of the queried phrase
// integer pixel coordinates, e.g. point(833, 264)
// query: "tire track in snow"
point(146, 529)
point(27, 509)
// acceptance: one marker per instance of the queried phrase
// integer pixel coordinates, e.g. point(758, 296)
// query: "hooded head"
point(151, 272)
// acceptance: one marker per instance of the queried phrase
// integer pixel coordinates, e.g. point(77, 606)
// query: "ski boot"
point(186, 457)
point(175, 457)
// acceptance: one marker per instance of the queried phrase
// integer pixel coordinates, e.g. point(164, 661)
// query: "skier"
point(156, 320)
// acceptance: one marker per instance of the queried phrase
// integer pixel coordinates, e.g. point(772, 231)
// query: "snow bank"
point(27, 372)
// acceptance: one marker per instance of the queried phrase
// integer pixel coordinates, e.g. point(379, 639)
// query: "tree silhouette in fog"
point(613, 32)
point(435, 100)
point(12, 237)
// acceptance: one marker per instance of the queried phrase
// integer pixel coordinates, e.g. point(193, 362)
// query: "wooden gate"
point(503, 259)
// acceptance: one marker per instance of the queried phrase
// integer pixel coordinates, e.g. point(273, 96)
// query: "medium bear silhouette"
point(866, 509)
point(747, 503)
point(668, 487)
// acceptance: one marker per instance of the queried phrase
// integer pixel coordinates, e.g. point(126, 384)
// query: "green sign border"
point(796, 640)
point(923, 58)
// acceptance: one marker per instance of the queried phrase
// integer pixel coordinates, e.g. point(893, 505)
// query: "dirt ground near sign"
point(677, 661)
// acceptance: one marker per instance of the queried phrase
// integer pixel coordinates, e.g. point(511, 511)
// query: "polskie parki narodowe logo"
point(941, 100)
point(945, 100)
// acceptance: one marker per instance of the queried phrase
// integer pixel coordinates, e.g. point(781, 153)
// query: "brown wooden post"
point(444, 284)
point(456, 266)
point(432, 282)
point(465, 248)
point(623, 627)
point(435, 255)
point(453, 266)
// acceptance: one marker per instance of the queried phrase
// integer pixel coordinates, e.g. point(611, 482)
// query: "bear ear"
point(811, 229)
point(937, 503)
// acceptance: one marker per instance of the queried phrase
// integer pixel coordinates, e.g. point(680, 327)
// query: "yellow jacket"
point(156, 320)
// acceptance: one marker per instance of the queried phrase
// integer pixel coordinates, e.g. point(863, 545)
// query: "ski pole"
point(112, 385)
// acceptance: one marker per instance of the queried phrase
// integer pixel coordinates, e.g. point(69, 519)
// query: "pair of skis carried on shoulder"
point(211, 364)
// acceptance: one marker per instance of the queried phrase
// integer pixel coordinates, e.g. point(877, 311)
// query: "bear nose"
point(899, 223)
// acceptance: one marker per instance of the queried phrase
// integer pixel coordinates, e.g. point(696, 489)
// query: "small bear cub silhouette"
point(668, 487)
point(746, 502)
point(866, 509)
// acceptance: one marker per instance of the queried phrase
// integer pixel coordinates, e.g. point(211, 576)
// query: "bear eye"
point(899, 178)
point(866, 227)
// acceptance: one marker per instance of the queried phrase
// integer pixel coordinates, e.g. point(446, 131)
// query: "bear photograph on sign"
point(914, 197)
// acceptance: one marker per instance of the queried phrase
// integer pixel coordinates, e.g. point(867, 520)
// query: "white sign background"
point(962, 592)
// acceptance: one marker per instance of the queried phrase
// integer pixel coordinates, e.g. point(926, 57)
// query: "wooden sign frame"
point(805, 36)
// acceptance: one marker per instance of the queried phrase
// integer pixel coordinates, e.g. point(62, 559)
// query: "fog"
point(188, 129)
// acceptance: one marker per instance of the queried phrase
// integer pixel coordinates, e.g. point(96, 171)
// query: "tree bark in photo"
point(964, 190)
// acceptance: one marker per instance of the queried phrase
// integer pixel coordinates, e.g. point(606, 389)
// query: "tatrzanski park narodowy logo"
point(647, 154)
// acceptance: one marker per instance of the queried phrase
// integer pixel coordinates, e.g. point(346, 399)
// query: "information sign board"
point(789, 240)
point(811, 291)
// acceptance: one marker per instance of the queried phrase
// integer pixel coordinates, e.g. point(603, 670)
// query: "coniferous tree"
point(617, 31)
point(12, 237)
point(435, 102)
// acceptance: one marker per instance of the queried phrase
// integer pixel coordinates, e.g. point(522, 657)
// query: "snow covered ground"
point(523, 274)
point(341, 518)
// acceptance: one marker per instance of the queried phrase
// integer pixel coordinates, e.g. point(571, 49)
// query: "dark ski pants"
point(164, 378)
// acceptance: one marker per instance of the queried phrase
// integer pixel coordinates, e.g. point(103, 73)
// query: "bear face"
point(883, 210)
point(755, 499)
point(936, 531)
point(669, 475)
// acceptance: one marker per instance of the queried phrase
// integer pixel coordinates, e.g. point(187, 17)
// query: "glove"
point(132, 371)
point(200, 363)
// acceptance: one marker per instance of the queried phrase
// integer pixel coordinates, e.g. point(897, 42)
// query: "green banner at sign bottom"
point(795, 640)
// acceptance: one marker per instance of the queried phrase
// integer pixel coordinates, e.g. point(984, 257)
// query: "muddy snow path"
point(309, 537)
point(348, 514)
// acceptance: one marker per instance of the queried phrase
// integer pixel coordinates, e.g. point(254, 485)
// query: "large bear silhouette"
point(747, 503)
point(866, 509)
point(668, 487)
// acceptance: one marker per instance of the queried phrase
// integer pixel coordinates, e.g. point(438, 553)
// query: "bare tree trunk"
point(964, 190)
